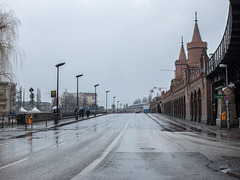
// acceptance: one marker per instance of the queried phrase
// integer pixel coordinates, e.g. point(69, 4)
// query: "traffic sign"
point(219, 96)
point(227, 98)
point(53, 94)
point(31, 89)
point(227, 91)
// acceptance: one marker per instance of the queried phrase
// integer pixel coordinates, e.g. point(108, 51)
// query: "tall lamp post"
point(57, 66)
point(226, 67)
point(95, 99)
point(77, 92)
point(117, 105)
point(106, 100)
point(114, 103)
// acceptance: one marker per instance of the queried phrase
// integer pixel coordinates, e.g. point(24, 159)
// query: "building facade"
point(189, 94)
point(7, 98)
point(68, 101)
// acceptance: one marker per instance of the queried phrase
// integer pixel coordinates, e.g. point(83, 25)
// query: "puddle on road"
point(147, 148)
point(29, 134)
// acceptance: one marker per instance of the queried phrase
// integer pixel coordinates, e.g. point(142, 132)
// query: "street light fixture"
point(57, 66)
point(95, 99)
point(106, 100)
point(226, 67)
point(77, 92)
point(114, 103)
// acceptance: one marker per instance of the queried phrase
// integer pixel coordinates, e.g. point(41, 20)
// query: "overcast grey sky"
point(120, 44)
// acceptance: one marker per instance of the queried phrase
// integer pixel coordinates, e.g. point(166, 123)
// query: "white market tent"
point(35, 110)
point(22, 110)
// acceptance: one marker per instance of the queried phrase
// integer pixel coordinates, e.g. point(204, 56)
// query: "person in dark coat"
point(82, 112)
point(88, 112)
point(76, 113)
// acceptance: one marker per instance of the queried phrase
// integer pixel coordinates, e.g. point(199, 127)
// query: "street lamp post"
point(117, 105)
point(226, 67)
point(114, 103)
point(57, 66)
point(77, 92)
point(95, 99)
point(106, 100)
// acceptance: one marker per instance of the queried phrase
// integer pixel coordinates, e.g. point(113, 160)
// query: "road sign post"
point(227, 92)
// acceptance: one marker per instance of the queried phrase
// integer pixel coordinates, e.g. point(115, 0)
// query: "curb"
point(235, 173)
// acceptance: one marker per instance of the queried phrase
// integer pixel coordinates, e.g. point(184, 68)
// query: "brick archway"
point(199, 105)
point(195, 108)
point(191, 107)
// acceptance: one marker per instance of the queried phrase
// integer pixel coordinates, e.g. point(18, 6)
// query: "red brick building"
point(189, 94)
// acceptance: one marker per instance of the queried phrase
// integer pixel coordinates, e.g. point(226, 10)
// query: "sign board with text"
point(219, 96)
point(53, 94)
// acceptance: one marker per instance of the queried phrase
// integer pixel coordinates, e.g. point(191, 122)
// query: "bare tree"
point(9, 53)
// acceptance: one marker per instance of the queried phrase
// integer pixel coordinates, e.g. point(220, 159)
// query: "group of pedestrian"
point(81, 112)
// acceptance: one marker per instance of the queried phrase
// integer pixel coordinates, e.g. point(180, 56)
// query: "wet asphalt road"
point(116, 146)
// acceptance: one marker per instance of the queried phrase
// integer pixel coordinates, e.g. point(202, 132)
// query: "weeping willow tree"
point(9, 53)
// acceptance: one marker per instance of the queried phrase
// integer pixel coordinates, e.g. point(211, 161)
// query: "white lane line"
point(13, 163)
point(102, 156)
point(58, 145)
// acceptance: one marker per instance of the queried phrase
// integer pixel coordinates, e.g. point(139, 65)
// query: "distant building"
point(68, 100)
point(137, 108)
point(155, 105)
point(7, 98)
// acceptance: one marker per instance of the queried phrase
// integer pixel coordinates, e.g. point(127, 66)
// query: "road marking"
point(58, 145)
point(103, 155)
point(13, 163)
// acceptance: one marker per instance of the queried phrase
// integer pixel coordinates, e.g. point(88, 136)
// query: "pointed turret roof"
point(182, 55)
point(196, 33)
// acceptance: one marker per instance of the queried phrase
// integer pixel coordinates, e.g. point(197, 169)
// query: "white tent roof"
point(22, 110)
point(35, 110)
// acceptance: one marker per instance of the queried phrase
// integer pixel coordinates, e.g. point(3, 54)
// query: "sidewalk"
point(231, 166)
point(213, 130)
point(17, 131)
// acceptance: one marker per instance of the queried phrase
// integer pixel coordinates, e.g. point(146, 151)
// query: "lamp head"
point(60, 64)
point(223, 65)
point(79, 75)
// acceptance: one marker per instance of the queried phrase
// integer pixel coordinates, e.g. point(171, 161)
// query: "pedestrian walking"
point(76, 113)
point(83, 112)
point(88, 112)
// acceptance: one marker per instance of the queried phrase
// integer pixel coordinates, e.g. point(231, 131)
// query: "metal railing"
point(8, 120)
point(219, 54)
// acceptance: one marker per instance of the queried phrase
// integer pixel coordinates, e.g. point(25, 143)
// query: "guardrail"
point(219, 55)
